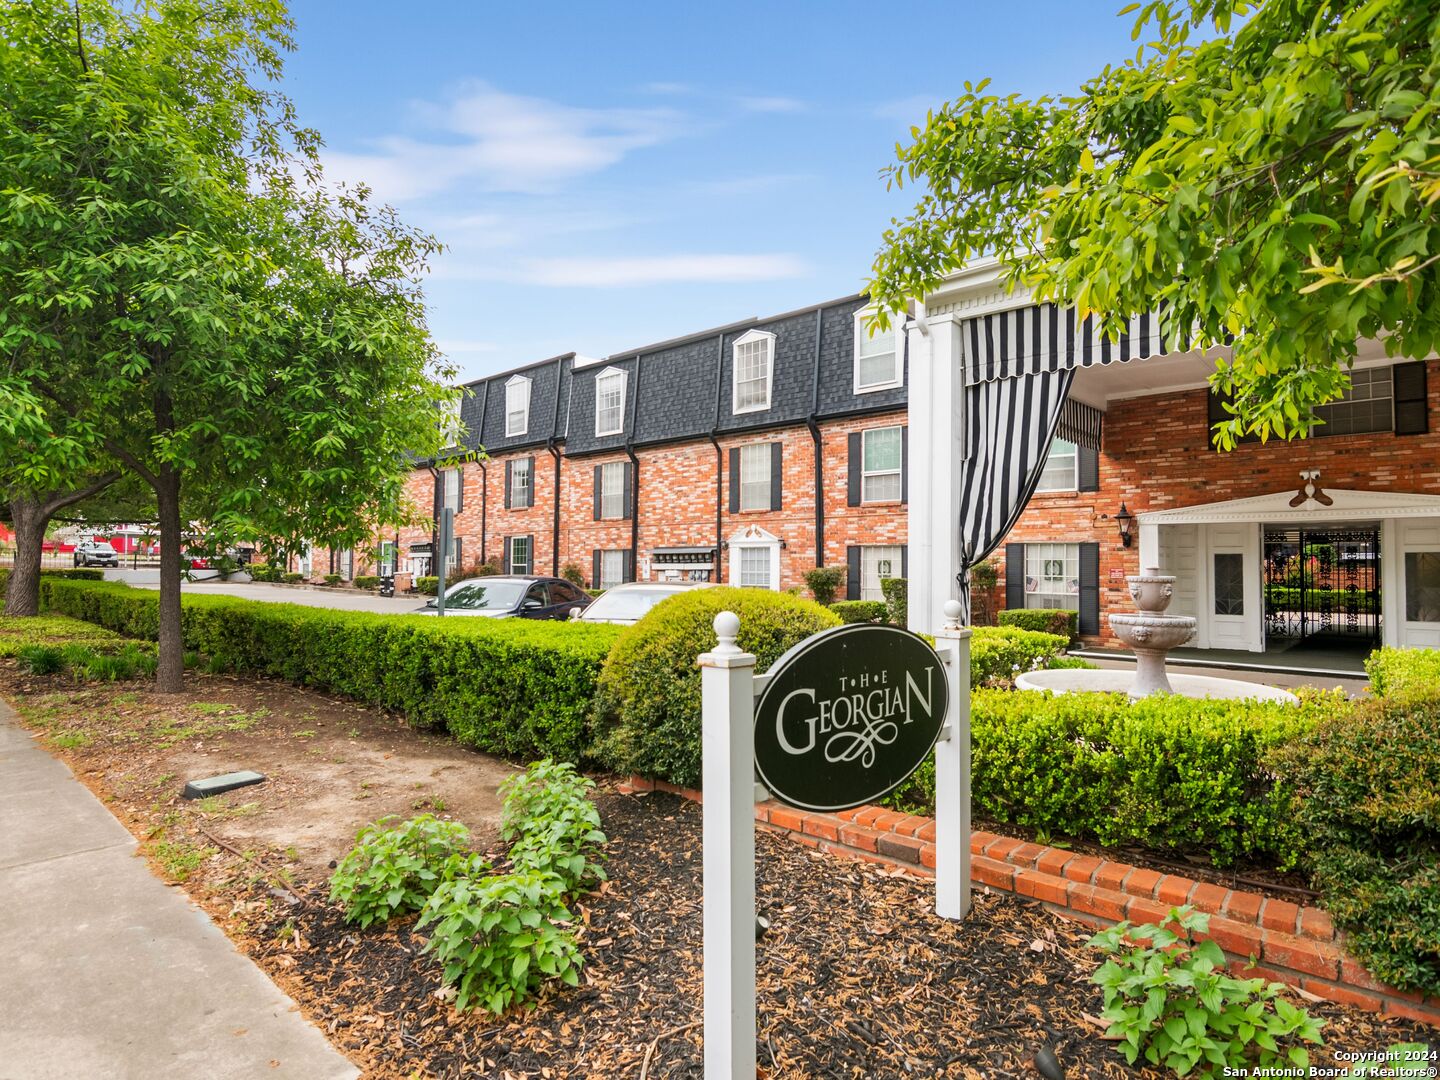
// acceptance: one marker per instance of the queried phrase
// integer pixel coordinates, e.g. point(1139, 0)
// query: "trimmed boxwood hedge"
point(858, 611)
point(1063, 621)
point(1394, 672)
point(1291, 598)
point(515, 686)
point(77, 574)
point(999, 653)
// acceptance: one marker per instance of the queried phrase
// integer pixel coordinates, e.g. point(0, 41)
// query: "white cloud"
point(911, 110)
point(603, 272)
point(772, 104)
point(452, 346)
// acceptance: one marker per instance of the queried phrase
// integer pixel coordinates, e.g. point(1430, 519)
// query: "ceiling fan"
point(1310, 489)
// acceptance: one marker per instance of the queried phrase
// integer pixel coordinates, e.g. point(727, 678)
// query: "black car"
point(512, 596)
point(94, 553)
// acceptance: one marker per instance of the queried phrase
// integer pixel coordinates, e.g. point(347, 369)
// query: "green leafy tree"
point(1276, 185)
point(184, 293)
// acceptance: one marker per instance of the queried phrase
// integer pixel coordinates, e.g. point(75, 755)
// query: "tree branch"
point(80, 495)
point(80, 41)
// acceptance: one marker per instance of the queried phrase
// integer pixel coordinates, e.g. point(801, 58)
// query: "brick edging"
point(1275, 939)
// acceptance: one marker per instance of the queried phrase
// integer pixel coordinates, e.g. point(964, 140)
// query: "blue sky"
point(610, 175)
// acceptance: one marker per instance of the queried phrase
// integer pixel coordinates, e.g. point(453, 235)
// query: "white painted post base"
point(952, 772)
point(728, 846)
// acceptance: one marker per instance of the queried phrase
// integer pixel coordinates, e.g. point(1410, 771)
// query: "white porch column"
point(1150, 547)
point(937, 397)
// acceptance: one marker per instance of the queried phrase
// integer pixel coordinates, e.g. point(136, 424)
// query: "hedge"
point(858, 611)
point(1394, 672)
point(1291, 598)
point(76, 574)
point(428, 586)
point(1046, 620)
point(367, 581)
point(1165, 772)
point(517, 687)
point(999, 653)
point(20, 632)
point(896, 591)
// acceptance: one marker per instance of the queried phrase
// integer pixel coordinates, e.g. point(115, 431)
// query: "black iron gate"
point(1322, 586)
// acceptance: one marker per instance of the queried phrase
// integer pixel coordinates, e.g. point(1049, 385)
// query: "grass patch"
point(16, 633)
point(71, 740)
point(180, 858)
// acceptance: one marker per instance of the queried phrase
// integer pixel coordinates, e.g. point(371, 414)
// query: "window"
point(1367, 406)
point(1422, 586)
point(521, 488)
point(610, 402)
point(1229, 583)
point(517, 406)
point(754, 355)
point(876, 564)
point(877, 357)
point(755, 477)
point(880, 469)
point(612, 489)
point(612, 569)
point(450, 423)
point(1052, 575)
point(755, 567)
point(1061, 467)
point(519, 559)
point(386, 560)
point(452, 490)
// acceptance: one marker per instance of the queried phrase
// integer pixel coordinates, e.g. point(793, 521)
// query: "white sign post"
point(952, 772)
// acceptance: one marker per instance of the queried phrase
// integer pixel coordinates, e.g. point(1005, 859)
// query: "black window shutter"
point(530, 497)
point(852, 573)
point(905, 561)
point(509, 468)
point(1412, 409)
point(853, 494)
point(597, 492)
point(595, 571)
point(776, 472)
point(1014, 576)
point(629, 573)
point(735, 481)
point(509, 550)
point(628, 493)
point(459, 489)
point(1088, 460)
point(1215, 410)
point(458, 561)
point(905, 464)
point(530, 554)
point(1089, 588)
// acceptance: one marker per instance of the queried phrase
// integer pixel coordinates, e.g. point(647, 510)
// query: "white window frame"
point(1037, 556)
point(866, 474)
point(607, 470)
point(450, 499)
point(518, 468)
point(608, 557)
point(517, 389)
point(610, 375)
point(748, 338)
point(755, 452)
point(766, 554)
point(871, 556)
point(1074, 483)
point(512, 544)
point(754, 539)
point(862, 335)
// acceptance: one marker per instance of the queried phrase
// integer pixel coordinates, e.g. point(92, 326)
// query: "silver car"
point(627, 604)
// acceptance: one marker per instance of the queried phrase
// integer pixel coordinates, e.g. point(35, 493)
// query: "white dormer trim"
point(610, 373)
point(745, 339)
point(753, 537)
point(517, 389)
point(897, 332)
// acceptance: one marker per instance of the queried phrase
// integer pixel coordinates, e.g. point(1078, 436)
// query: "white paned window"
point(517, 406)
point(881, 456)
point(1061, 467)
point(612, 569)
point(1367, 406)
point(877, 357)
point(755, 567)
point(610, 402)
point(754, 361)
point(755, 477)
point(877, 564)
point(452, 490)
point(1052, 576)
point(519, 555)
point(612, 489)
point(520, 484)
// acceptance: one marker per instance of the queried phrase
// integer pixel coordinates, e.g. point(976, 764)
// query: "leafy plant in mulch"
point(393, 869)
point(1170, 1000)
point(40, 659)
point(552, 824)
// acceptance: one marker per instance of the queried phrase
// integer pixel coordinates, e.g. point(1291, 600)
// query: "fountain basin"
point(1081, 680)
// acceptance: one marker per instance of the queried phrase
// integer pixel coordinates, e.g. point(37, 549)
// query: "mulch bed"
point(856, 979)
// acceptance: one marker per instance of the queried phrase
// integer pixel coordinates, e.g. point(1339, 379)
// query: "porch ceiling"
point(1348, 505)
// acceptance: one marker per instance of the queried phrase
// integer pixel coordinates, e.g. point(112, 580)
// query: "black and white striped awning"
point(1047, 338)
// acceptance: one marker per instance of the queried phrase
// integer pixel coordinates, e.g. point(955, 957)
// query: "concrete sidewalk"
point(106, 972)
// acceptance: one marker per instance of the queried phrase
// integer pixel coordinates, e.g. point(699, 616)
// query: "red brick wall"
point(580, 534)
point(856, 526)
point(537, 520)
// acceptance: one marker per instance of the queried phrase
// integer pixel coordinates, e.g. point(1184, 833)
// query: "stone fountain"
point(1149, 632)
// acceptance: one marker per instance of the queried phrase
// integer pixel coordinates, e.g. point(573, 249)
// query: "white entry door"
point(1418, 572)
point(1233, 607)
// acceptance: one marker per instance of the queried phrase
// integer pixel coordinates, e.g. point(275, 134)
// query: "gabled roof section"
point(1347, 504)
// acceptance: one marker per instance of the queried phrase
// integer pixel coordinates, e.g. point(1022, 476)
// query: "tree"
point(184, 292)
point(1275, 187)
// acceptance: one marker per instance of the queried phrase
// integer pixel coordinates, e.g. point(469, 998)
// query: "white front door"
point(1417, 580)
point(1232, 607)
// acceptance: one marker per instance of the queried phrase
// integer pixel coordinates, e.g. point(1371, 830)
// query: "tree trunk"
point(22, 593)
point(170, 676)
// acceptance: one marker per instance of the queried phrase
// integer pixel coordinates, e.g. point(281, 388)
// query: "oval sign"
point(848, 715)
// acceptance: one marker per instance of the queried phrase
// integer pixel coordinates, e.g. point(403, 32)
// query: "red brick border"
point(1289, 943)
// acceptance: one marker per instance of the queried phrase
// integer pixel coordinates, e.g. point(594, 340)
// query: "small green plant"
point(180, 858)
point(292, 578)
point(71, 740)
point(572, 573)
point(367, 581)
point(429, 586)
point(859, 611)
point(333, 579)
point(393, 869)
point(896, 591)
point(824, 583)
point(1075, 662)
point(554, 825)
point(40, 659)
point(1169, 999)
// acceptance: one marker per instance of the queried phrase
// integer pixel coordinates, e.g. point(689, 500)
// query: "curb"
point(1264, 937)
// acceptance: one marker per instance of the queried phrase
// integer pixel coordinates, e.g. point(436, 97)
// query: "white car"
point(625, 605)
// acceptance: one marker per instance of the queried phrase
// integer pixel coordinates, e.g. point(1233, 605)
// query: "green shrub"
point(367, 581)
point(858, 611)
point(572, 573)
point(824, 583)
point(999, 653)
point(333, 579)
point(40, 659)
point(292, 578)
point(517, 687)
point(1165, 773)
point(647, 710)
point(393, 869)
point(894, 590)
point(1367, 795)
point(553, 825)
point(265, 572)
point(1394, 672)
point(1170, 1000)
point(18, 632)
point(1060, 621)
point(76, 574)
point(427, 585)
point(1291, 598)
point(1076, 663)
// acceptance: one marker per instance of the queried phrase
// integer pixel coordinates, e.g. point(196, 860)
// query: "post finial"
point(727, 629)
point(953, 612)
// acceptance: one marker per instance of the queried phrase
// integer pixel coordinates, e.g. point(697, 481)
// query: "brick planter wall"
point(1287, 942)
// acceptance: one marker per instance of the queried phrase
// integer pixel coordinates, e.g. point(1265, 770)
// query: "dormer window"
point(517, 406)
point(610, 402)
point(450, 423)
point(877, 356)
point(754, 366)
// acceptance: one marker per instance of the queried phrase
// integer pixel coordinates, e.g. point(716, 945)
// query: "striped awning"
point(1046, 338)
point(1080, 423)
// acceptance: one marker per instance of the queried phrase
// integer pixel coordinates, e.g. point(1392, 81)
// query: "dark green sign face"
point(848, 715)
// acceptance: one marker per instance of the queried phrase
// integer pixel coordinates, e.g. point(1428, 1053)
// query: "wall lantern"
point(1124, 519)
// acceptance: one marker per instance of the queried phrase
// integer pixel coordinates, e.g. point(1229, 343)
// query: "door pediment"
point(1347, 504)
